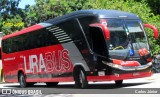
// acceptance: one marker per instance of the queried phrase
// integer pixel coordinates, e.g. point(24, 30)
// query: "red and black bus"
point(83, 46)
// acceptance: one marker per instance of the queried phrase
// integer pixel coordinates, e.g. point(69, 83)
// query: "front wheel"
point(118, 82)
point(80, 79)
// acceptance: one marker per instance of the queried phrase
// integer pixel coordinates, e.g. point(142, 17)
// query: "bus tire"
point(80, 79)
point(22, 80)
point(51, 84)
point(118, 82)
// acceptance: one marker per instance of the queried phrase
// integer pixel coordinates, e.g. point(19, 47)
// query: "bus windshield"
point(124, 33)
point(137, 35)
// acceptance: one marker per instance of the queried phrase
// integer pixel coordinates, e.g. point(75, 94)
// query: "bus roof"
point(98, 13)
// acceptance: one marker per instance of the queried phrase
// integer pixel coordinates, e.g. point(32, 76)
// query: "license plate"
point(101, 73)
point(136, 74)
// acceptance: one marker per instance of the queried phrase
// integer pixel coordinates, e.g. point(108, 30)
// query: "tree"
point(9, 8)
point(147, 10)
point(47, 9)
point(43, 10)
point(10, 16)
point(153, 4)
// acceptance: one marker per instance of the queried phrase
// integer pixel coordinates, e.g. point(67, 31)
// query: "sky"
point(25, 2)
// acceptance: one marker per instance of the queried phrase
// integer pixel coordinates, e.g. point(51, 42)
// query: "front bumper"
point(119, 76)
point(128, 68)
point(121, 72)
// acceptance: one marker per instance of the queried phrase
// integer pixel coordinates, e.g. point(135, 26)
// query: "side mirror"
point(155, 30)
point(104, 29)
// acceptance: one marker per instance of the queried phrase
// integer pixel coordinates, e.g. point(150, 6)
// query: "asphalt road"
point(129, 86)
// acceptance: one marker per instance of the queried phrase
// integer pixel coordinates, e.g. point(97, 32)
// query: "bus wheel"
point(51, 84)
point(80, 79)
point(118, 82)
point(22, 80)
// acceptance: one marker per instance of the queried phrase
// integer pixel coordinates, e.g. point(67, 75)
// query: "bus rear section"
point(88, 45)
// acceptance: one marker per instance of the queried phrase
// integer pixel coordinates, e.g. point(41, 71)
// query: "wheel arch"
point(77, 67)
point(82, 66)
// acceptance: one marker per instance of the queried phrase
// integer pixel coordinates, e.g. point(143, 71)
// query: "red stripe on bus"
point(90, 78)
point(11, 80)
point(120, 76)
point(58, 79)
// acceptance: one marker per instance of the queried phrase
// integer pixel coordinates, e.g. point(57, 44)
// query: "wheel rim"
point(22, 81)
point(81, 79)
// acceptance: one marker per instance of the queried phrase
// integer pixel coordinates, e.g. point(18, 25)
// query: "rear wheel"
point(51, 84)
point(118, 82)
point(22, 80)
point(80, 79)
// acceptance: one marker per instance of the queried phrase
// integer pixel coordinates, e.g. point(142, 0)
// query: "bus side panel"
point(9, 67)
point(56, 63)
point(46, 62)
point(79, 51)
point(40, 55)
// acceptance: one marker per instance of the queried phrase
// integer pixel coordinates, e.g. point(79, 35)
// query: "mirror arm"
point(156, 34)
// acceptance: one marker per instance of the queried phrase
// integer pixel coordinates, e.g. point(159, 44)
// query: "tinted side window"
point(72, 29)
point(98, 41)
point(85, 22)
point(31, 40)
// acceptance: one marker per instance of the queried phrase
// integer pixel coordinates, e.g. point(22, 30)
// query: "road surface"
point(131, 86)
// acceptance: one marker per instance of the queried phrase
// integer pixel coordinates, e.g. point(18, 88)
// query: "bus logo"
point(48, 62)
